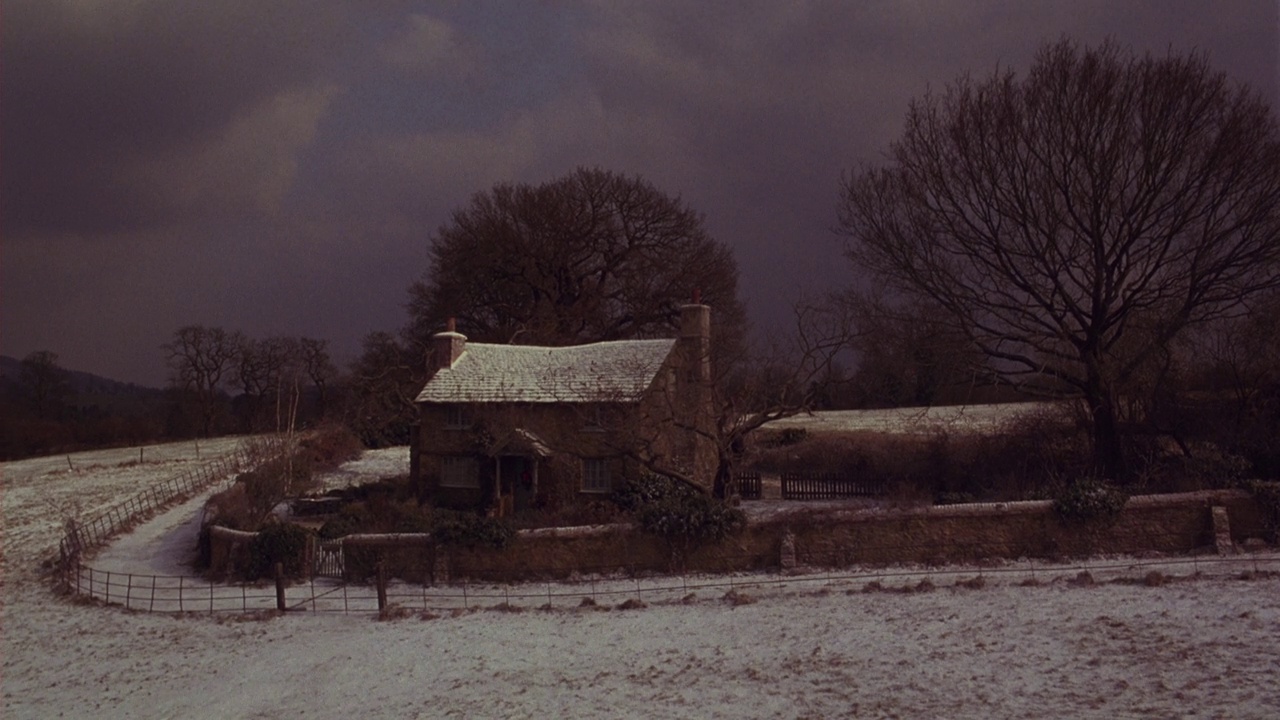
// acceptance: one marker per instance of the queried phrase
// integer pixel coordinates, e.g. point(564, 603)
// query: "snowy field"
point(954, 418)
point(809, 646)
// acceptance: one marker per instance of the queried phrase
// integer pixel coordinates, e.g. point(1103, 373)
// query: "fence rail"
point(823, 486)
point(182, 595)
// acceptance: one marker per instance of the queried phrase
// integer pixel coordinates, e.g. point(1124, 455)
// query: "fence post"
point(280, 587)
point(382, 586)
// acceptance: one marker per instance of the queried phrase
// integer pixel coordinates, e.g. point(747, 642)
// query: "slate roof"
point(617, 371)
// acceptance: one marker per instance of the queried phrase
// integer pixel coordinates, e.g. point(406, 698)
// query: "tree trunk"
point(1108, 452)
point(724, 476)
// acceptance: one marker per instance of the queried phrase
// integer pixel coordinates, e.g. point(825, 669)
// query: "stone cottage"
point(507, 428)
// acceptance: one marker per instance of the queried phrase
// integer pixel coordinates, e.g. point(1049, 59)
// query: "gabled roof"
point(617, 371)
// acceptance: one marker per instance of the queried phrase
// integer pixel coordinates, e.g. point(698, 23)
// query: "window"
point(456, 417)
point(593, 420)
point(459, 472)
point(595, 475)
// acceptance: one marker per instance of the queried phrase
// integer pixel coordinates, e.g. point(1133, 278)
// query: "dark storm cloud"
point(279, 167)
point(97, 94)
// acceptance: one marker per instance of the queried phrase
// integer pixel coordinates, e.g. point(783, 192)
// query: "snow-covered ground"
point(371, 465)
point(808, 646)
point(954, 418)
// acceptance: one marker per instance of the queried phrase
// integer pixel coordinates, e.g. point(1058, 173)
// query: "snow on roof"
point(616, 371)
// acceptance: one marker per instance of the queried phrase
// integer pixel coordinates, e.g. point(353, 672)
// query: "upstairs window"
point(456, 417)
point(593, 418)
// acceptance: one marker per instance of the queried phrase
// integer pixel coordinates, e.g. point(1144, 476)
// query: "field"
point(955, 418)
point(806, 646)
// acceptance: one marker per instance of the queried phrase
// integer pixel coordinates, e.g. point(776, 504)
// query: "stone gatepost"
point(1222, 531)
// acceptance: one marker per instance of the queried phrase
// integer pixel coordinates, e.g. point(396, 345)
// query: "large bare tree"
point(1075, 220)
point(201, 359)
point(591, 256)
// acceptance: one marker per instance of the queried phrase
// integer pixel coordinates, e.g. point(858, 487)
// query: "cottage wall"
point(566, 433)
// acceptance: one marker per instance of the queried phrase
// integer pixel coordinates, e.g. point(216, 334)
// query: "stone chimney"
point(446, 348)
point(693, 406)
point(695, 337)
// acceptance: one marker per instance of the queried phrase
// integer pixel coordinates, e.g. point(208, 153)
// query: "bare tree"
point(44, 383)
point(1073, 222)
point(588, 257)
point(200, 359)
point(743, 393)
point(269, 373)
point(314, 355)
point(909, 354)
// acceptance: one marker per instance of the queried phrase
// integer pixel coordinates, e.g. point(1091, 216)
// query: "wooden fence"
point(826, 486)
point(749, 486)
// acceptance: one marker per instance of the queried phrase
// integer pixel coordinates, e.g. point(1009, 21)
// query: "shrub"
point(461, 529)
point(329, 446)
point(277, 543)
point(691, 520)
point(351, 519)
point(648, 489)
point(682, 516)
point(232, 508)
point(1018, 460)
point(1089, 501)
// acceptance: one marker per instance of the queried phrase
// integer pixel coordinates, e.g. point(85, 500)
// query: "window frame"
point(456, 417)
point(597, 477)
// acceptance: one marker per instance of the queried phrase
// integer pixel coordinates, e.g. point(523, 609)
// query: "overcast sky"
point(279, 167)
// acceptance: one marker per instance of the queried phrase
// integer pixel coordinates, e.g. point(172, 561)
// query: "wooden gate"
point(328, 560)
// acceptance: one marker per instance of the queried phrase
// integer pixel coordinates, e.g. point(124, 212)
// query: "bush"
point(683, 517)
point(328, 447)
point(462, 529)
point(687, 521)
point(1018, 460)
point(232, 508)
point(277, 543)
point(351, 519)
point(1089, 501)
point(649, 488)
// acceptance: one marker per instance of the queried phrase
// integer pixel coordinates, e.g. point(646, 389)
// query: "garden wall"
point(823, 538)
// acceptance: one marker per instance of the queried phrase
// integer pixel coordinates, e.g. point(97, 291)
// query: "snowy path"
point(1195, 648)
point(165, 545)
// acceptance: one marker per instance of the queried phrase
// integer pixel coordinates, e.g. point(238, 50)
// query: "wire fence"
point(81, 537)
point(618, 584)
point(589, 585)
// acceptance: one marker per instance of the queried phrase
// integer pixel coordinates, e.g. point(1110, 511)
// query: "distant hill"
point(81, 383)
point(88, 411)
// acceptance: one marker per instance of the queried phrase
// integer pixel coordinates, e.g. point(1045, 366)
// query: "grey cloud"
point(93, 92)
point(278, 167)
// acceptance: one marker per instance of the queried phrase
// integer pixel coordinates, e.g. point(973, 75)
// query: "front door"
point(518, 480)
